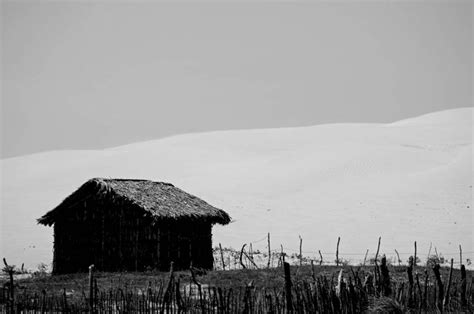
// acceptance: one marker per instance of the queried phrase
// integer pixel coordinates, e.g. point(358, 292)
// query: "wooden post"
point(251, 260)
point(463, 286)
point(321, 256)
point(11, 285)
point(378, 249)
point(385, 277)
point(425, 290)
point(340, 284)
point(289, 303)
point(168, 294)
point(410, 280)
point(414, 257)
point(376, 279)
point(242, 253)
point(222, 257)
point(398, 258)
point(337, 251)
point(250, 251)
point(198, 284)
point(91, 288)
point(365, 257)
point(65, 301)
point(460, 255)
point(446, 295)
point(269, 251)
point(440, 298)
point(420, 296)
point(301, 250)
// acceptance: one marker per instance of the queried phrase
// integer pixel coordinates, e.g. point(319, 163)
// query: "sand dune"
point(405, 181)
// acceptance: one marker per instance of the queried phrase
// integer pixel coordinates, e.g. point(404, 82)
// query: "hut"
point(132, 225)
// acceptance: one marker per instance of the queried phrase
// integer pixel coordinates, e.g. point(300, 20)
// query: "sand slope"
point(405, 181)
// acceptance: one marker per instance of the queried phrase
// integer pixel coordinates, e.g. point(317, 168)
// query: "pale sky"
point(88, 75)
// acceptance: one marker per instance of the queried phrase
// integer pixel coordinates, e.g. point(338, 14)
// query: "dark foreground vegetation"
point(297, 289)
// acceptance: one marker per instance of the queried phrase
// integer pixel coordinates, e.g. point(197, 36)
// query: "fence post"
point(337, 251)
point(440, 298)
point(222, 257)
point(12, 286)
point(365, 257)
point(376, 268)
point(385, 280)
point(269, 251)
point(301, 250)
point(289, 303)
point(198, 284)
point(398, 258)
point(91, 288)
point(410, 280)
point(463, 285)
point(242, 253)
point(414, 257)
point(168, 294)
point(446, 295)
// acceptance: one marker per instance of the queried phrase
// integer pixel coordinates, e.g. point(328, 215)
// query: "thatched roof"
point(163, 201)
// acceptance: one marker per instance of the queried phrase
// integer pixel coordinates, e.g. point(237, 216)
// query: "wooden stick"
point(378, 249)
point(222, 257)
point(446, 295)
point(365, 257)
point(463, 286)
point(398, 257)
point(425, 291)
point(251, 260)
point(420, 296)
point(460, 255)
point(282, 255)
point(91, 288)
point(11, 284)
point(410, 280)
point(241, 253)
point(289, 303)
point(414, 258)
point(340, 284)
point(440, 298)
point(198, 284)
point(269, 250)
point(301, 252)
point(376, 277)
point(337, 251)
point(250, 251)
point(429, 252)
point(385, 277)
point(321, 256)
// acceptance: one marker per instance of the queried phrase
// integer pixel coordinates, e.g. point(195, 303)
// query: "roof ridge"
point(129, 180)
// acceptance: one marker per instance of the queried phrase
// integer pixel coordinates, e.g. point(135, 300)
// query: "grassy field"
point(268, 278)
point(318, 288)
